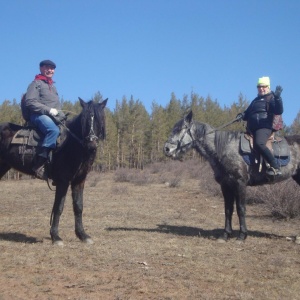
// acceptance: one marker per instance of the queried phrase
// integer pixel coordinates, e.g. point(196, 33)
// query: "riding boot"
point(39, 167)
point(274, 169)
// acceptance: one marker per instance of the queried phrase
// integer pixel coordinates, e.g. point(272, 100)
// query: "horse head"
point(92, 123)
point(181, 138)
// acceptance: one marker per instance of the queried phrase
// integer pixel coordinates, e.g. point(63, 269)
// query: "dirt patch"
point(151, 242)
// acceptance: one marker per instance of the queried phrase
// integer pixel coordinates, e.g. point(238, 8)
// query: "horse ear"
point(103, 103)
point(82, 102)
point(189, 117)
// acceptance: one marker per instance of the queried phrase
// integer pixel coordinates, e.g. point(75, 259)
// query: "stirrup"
point(41, 173)
point(273, 171)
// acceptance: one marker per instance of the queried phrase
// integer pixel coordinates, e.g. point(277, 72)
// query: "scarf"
point(44, 78)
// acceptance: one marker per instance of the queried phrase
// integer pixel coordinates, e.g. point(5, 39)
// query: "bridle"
point(91, 137)
point(187, 132)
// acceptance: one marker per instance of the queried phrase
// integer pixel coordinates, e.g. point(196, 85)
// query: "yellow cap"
point(264, 81)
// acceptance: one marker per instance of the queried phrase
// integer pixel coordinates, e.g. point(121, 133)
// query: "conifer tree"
point(158, 134)
point(295, 127)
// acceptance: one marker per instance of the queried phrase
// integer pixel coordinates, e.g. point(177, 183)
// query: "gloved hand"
point(278, 91)
point(61, 116)
point(239, 116)
point(53, 112)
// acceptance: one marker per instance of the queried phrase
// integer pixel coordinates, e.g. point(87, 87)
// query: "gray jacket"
point(41, 97)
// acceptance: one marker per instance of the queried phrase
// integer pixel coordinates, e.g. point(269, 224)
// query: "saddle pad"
point(280, 146)
point(281, 149)
point(249, 159)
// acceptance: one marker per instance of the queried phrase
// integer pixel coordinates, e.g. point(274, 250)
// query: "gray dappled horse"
point(221, 149)
point(70, 163)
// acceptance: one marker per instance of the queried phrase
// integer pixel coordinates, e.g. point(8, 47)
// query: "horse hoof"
point(89, 241)
point(224, 238)
point(58, 243)
point(242, 237)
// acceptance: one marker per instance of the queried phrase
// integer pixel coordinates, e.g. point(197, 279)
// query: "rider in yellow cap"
point(259, 116)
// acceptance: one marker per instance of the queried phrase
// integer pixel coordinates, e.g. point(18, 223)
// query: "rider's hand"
point(278, 92)
point(61, 116)
point(239, 116)
point(53, 112)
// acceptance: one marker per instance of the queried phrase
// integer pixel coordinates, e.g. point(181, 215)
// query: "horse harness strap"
point(212, 131)
point(71, 133)
point(188, 131)
point(91, 136)
point(223, 126)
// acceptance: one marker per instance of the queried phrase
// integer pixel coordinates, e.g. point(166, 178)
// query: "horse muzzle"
point(170, 150)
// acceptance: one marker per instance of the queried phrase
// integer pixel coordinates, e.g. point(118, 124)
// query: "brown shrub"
point(123, 175)
point(93, 178)
point(135, 176)
point(280, 200)
point(156, 167)
point(141, 177)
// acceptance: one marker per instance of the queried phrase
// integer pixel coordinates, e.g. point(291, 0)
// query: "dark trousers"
point(261, 137)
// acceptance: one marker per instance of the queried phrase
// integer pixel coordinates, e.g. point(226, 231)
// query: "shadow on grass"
point(193, 231)
point(18, 238)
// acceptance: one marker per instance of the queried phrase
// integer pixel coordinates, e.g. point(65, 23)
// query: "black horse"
point(70, 163)
point(221, 149)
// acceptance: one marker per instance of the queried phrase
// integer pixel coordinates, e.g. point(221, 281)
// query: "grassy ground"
point(151, 242)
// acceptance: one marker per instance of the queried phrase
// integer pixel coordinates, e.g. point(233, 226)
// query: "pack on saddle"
point(257, 165)
point(30, 139)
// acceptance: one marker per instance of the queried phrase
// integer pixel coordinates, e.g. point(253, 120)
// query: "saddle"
point(278, 146)
point(29, 138)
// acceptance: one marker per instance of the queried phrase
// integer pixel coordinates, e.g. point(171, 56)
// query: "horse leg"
point(296, 177)
point(228, 203)
point(58, 207)
point(77, 195)
point(240, 196)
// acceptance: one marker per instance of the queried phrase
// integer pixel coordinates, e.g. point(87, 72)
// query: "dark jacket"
point(41, 97)
point(261, 110)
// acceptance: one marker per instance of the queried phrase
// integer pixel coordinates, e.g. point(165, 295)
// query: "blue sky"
point(150, 48)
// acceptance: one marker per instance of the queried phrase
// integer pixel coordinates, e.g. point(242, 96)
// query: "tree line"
point(135, 137)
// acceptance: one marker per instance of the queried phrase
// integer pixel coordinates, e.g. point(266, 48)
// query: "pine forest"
point(135, 137)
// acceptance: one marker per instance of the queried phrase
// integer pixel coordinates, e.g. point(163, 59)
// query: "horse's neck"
point(204, 136)
point(75, 126)
point(205, 143)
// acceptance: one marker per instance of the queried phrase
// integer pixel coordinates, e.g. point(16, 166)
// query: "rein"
point(71, 133)
point(188, 131)
point(223, 126)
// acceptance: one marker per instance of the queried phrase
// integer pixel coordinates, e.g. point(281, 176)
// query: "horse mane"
point(223, 138)
point(100, 116)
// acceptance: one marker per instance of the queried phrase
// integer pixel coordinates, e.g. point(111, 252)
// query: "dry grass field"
point(151, 242)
